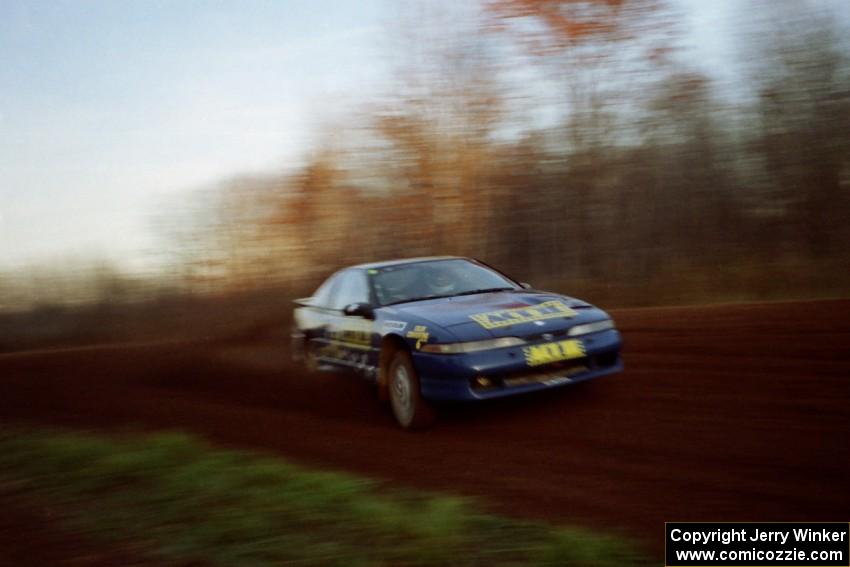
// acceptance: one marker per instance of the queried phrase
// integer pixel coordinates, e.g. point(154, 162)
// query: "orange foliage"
point(566, 21)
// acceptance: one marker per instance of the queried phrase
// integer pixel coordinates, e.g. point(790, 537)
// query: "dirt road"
point(723, 413)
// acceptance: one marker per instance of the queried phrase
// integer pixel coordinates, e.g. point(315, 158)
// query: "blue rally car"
point(450, 329)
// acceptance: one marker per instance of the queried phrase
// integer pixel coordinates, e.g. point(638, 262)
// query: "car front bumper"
point(458, 377)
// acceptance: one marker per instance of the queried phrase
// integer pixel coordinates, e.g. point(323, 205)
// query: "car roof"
point(400, 261)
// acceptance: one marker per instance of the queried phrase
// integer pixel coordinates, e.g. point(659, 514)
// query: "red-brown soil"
point(737, 412)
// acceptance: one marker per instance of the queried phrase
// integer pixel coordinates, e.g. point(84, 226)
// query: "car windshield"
point(437, 278)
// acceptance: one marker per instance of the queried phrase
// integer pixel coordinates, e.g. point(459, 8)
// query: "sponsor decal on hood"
point(507, 317)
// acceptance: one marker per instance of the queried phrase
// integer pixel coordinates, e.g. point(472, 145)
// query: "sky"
point(109, 111)
point(108, 108)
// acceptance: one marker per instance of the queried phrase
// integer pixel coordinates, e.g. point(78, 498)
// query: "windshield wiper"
point(483, 290)
point(423, 298)
point(470, 292)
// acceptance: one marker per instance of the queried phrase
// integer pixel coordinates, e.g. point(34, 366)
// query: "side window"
point(322, 296)
point(353, 288)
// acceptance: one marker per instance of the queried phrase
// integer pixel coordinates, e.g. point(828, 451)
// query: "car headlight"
point(473, 346)
point(591, 328)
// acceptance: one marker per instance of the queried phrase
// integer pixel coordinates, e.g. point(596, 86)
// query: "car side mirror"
point(525, 285)
point(359, 310)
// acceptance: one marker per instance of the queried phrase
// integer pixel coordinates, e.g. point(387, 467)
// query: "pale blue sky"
point(107, 106)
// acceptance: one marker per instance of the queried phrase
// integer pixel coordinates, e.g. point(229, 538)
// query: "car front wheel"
point(411, 410)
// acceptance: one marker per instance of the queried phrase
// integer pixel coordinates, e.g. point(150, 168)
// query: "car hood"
point(503, 314)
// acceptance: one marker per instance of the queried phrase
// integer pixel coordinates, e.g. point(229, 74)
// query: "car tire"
point(410, 409)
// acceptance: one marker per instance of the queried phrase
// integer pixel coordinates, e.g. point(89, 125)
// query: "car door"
point(351, 335)
point(313, 318)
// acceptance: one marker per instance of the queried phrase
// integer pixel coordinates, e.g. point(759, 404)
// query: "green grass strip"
point(189, 502)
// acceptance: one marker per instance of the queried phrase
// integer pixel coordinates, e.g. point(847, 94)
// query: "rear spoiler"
point(303, 301)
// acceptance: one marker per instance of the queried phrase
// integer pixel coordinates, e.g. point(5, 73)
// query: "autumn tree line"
point(631, 173)
point(580, 145)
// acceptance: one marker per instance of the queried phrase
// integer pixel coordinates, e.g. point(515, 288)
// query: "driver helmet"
point(440, 281)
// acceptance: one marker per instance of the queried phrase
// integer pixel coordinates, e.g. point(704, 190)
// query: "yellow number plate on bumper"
point(553, 352)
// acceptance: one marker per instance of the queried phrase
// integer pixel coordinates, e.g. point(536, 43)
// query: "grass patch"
point(189, 503)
